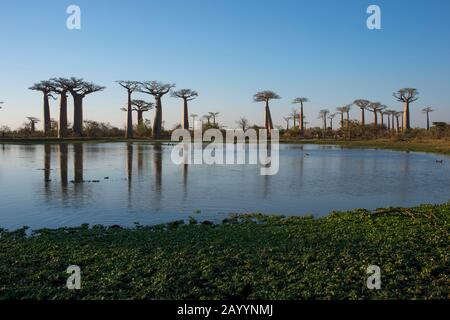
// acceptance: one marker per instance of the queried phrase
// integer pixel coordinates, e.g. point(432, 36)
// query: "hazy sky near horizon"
point(227, 50)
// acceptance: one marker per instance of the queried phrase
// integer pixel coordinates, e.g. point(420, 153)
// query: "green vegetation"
point(441, 146)
point(246, 257)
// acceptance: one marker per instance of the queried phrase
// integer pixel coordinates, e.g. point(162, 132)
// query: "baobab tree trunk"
point(268, 118)
point(129, 133)
point(428, 121)
point(393, 122)
point(382, 120)
point(33, 126)
point(47, 123)
point(348, 120)
point(302, 124)
point(62, 130)
point(78, 115)
point(157, 122)
point(363, 117)
point(185, 115)
point(331, 124)
point(375, 119)
point(398, 124)
point(406, 123)
point(140, 115)
point(389, 122)
point(342, 120)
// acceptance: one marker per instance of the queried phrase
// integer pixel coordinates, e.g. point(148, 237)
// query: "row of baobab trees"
point(406, 96)
point(79, 89)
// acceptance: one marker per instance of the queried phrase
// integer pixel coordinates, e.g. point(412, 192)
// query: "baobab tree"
point(287, 119)
point(294, 115)
point(60, 87)
point(214, 115)
point(79, 89)
point(375, 107)
point(331, 118)
point(341, 111)
point(347, 109)
point(33, 121)
point(193, 116)
point(407, 96)
point(157, 90)
point(130, 86)
point(301, 101)
point(427, 111)
point(46, 87)
point(266, 96)
point(207, 117)
point(397, 118)
point(141, 106)
point(323, 115)
point(242, 123)
point(362, 104)
point(187, 95)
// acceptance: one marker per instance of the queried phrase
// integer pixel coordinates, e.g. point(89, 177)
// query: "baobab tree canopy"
point(361, 103)
point(187, 94)
point(155, 88)
point(300, 100)
point(265, 96)
point(407, 95)
point(129, 85)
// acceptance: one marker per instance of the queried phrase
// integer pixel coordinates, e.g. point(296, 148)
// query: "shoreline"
point(246, 257)
point(437, 146)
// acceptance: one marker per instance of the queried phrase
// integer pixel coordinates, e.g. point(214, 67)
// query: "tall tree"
point(427, 111)
point(242, 123)
point(33, 121)
point(46, 87)
point(331, 118)
point(207, 117)
point(157, 90)
point(397, 118)
point(214, 116)
point(266, 96)
point(60, 87)
point(79, 89)
point(362, 104)
point(341, 111)
point(193, 116)
point(287, 119)
point(294, 116)
point(130, 86)
point(301, 101)
point(407, 96)
point(375, 108)
point(141, 106)
point(323, 115)
point(187, 95)
point(347, 109)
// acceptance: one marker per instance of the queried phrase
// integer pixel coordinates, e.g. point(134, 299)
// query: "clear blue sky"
point(227, 50)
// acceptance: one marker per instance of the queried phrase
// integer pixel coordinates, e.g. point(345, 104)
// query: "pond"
point(56, 185)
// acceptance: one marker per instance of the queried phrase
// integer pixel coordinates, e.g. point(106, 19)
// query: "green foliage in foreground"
point(246, 257)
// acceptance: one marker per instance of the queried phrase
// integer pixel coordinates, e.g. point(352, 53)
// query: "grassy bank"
point(441, 146)
point(250, 257)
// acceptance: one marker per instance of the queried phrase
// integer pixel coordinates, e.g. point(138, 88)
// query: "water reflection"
point(69, 184)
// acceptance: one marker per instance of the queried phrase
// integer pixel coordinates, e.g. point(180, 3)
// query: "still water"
point(120, 183)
